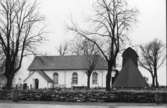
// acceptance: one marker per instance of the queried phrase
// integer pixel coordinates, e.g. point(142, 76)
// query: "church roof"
point(64, 63)
point(43, 74)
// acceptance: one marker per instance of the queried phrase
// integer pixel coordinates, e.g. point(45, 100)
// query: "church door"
point(36, 83)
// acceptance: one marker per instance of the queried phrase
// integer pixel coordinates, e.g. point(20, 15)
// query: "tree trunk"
point(9, 74)
point(88, 82)
point(156, 77)
point(108, 77)
point(9, 80)
point(153, 81)
point(157, 84)
point(156, 81)
point(9, 83)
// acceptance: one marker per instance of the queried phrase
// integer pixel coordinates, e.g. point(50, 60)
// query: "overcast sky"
point(150, 25)
point(151, 22)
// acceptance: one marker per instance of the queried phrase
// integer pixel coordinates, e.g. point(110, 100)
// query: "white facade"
point(42, 82)
point(65, 79)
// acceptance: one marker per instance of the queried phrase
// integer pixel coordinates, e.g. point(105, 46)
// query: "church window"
point(55, 78)
point(74, 78)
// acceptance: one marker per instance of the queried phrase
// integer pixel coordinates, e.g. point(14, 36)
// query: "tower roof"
point(129, 53)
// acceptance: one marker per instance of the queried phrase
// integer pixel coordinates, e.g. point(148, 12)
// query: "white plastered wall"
point(42, 82)
point(65, 78)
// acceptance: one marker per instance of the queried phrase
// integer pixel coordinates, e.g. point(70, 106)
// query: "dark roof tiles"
point(64, 63)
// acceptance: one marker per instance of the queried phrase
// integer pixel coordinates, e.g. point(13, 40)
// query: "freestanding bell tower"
point(130, 76)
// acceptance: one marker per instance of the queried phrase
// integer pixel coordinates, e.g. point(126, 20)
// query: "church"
point(70, 71)
point(64, 72)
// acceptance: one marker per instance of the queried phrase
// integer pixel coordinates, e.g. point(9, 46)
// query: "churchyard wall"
point(137, 96)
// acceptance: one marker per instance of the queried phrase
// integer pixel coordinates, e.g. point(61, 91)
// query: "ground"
point(39, 104)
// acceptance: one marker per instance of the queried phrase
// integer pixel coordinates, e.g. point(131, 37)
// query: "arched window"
point(94, 78)
point(55, 78)
point(74, 78)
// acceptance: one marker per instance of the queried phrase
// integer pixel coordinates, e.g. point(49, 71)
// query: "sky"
point(58, 13)
point(150, 25)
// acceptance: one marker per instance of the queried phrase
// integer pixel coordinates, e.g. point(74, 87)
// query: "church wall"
point(42, 82)
point(65, 78)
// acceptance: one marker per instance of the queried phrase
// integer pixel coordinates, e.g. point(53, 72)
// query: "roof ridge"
point(63, 62)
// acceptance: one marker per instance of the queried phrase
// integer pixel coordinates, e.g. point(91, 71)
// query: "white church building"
point(64, 72)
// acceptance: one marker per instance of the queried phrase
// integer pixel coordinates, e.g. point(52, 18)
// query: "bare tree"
point(75, 46)
point(92, 55)
point(84, 47)
point(19, 33)
point(112, 20)
point(152, 58)
point(1, 56)
point(63, 49)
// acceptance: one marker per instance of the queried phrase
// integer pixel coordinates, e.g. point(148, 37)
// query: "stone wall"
point(84, 96)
